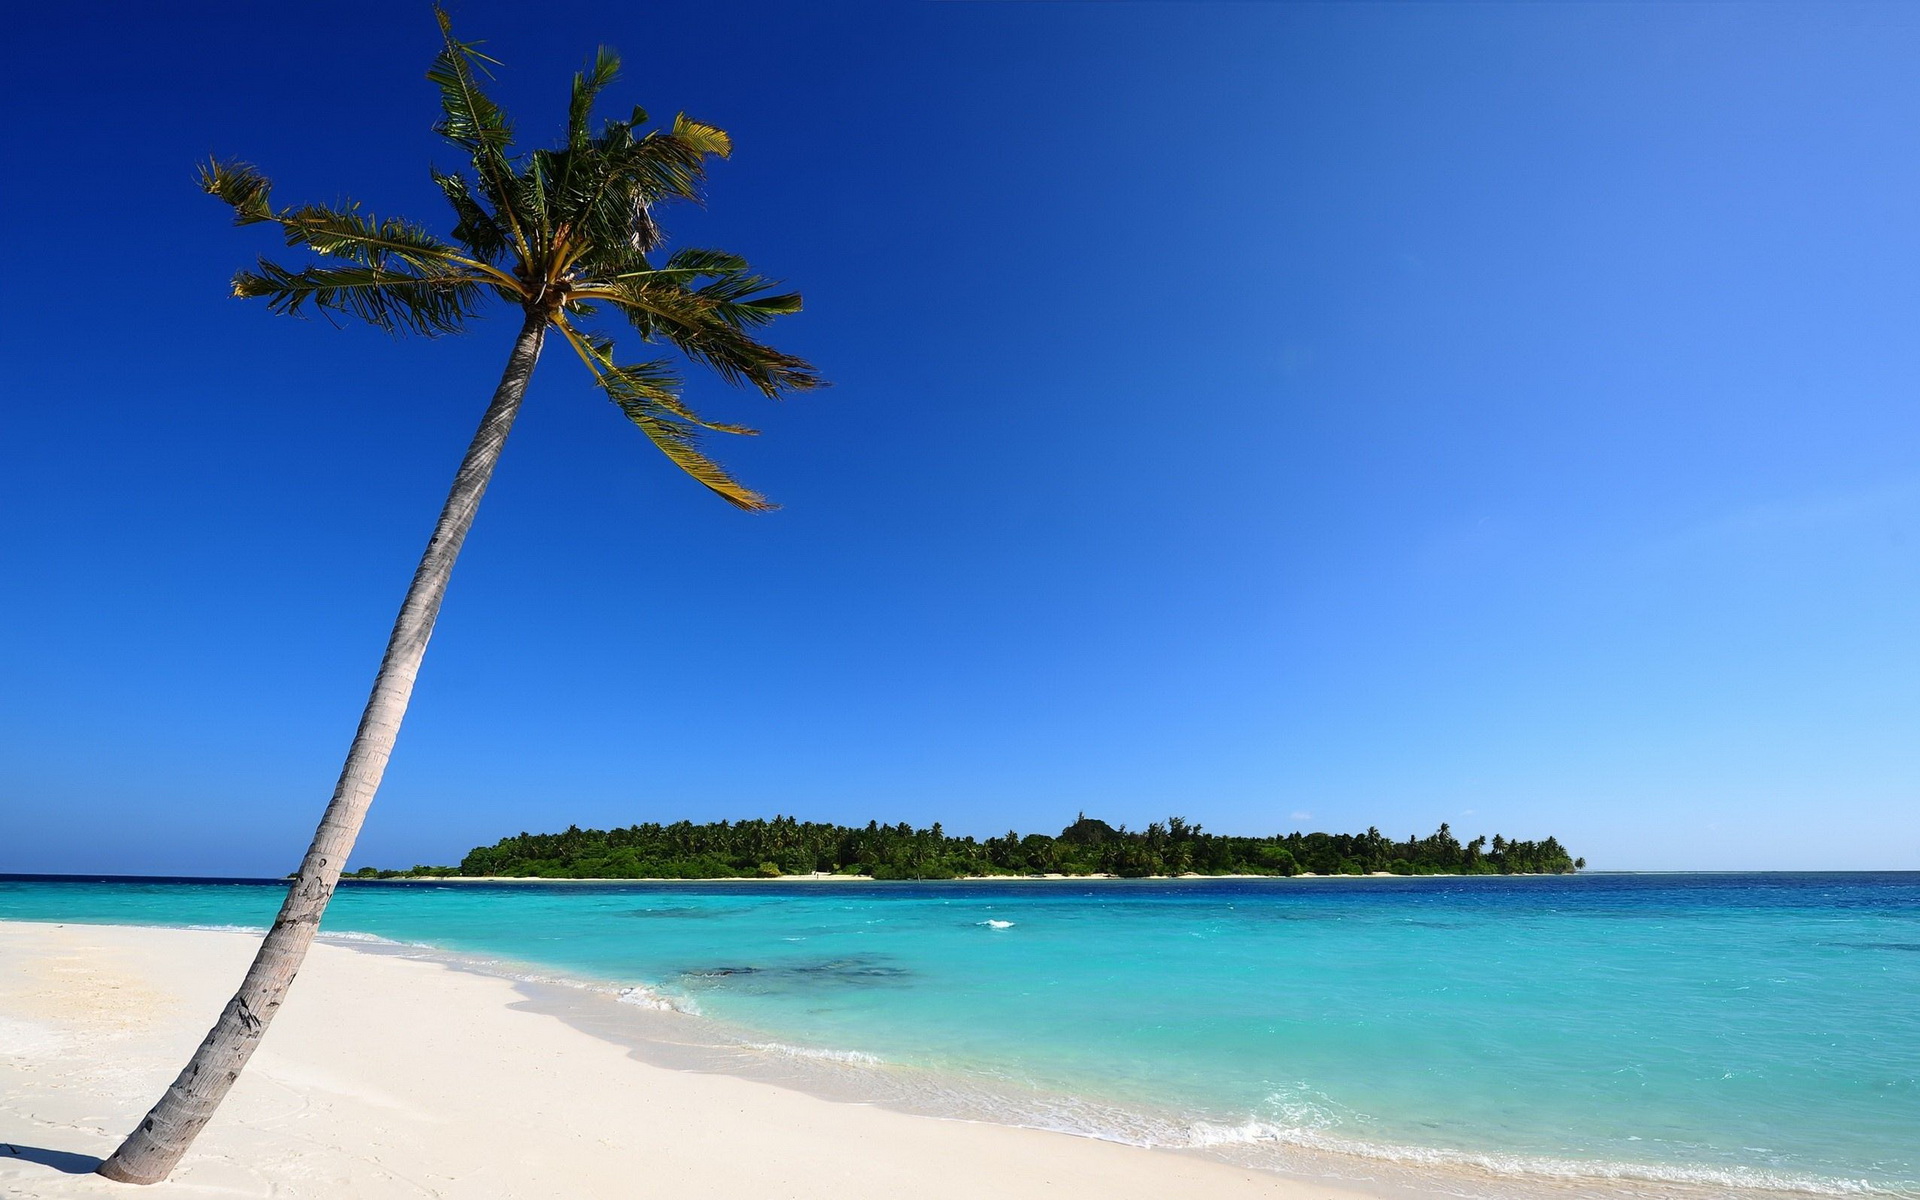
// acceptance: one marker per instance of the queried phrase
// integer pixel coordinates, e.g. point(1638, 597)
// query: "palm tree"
point(559, 233)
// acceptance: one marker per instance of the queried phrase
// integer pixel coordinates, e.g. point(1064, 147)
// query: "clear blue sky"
point(1279, 415)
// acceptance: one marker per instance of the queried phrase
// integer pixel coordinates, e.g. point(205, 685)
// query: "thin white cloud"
point(1805, 513)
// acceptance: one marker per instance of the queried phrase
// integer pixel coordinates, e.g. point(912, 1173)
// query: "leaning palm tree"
point(559, 234)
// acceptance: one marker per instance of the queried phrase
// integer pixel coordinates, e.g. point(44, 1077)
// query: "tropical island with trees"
point(785, 846)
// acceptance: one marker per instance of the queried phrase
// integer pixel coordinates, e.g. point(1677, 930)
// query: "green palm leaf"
point(242, 186)
point(559, 232)
point(347, 233)
point(472, 121)
point(587, 86)
point(709, 329)
point(474, 227)
point(396, 301)
point(649, 394)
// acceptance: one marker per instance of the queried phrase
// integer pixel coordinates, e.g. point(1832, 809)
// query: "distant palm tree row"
point(785, 846)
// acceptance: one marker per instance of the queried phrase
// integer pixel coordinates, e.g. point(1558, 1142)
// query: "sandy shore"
point(387, 1077)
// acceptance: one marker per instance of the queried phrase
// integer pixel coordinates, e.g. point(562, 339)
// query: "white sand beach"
point(391, 1077)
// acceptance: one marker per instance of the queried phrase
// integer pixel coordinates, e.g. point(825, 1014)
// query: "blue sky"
point(1284, 416)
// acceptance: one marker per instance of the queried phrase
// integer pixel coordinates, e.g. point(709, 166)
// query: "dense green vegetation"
point(784, 846)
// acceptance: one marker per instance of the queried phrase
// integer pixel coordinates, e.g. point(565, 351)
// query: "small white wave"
point(646, 997)
point(230, 928)
point(1204, 1135)
point(815, 1053)
point(991, 924)
point(355, 937)
point(1301, 1119)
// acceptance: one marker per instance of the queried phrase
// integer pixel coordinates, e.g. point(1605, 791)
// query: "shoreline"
point(395, 1075)
point(823, 877)
point(386, 985)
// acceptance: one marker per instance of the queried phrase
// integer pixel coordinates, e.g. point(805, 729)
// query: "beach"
point(1506, 1038)
point(390, 1077)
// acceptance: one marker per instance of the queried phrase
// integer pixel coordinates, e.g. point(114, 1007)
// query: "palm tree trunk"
point(151, 1151)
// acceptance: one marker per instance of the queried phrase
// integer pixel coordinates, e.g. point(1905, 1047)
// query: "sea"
point(1602, 1035)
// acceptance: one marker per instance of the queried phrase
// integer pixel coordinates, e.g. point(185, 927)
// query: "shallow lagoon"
point(1759, 1030)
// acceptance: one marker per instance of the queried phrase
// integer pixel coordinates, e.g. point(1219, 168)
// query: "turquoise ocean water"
point(1625, 1032)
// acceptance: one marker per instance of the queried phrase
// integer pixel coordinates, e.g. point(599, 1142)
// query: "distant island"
point(785, 846)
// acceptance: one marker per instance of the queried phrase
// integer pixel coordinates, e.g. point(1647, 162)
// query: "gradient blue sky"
point(1283, 416)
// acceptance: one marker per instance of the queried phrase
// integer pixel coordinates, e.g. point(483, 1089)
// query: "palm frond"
point(469, 118)
point(530, 191)
point(649, 394)
point(394, 300)
point(741, 300)
point(704, 138)
point(472, 121)
point(671, 166)
point(710, 329)
point(474, 227)
point(731, 291)
point(604, 191)
point(242, 186)
point(587, 86)
point(348, 233)
point(706, 262)
point(576, 157)
point(341, 232)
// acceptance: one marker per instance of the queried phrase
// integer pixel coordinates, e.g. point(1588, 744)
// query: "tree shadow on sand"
point(64, 1161)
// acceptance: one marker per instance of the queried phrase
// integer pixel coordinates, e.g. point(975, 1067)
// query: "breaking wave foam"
point(1303, 1138)
point(1255, 1134)
point(374, 939)
point(641, 996)
point(817, 1054)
